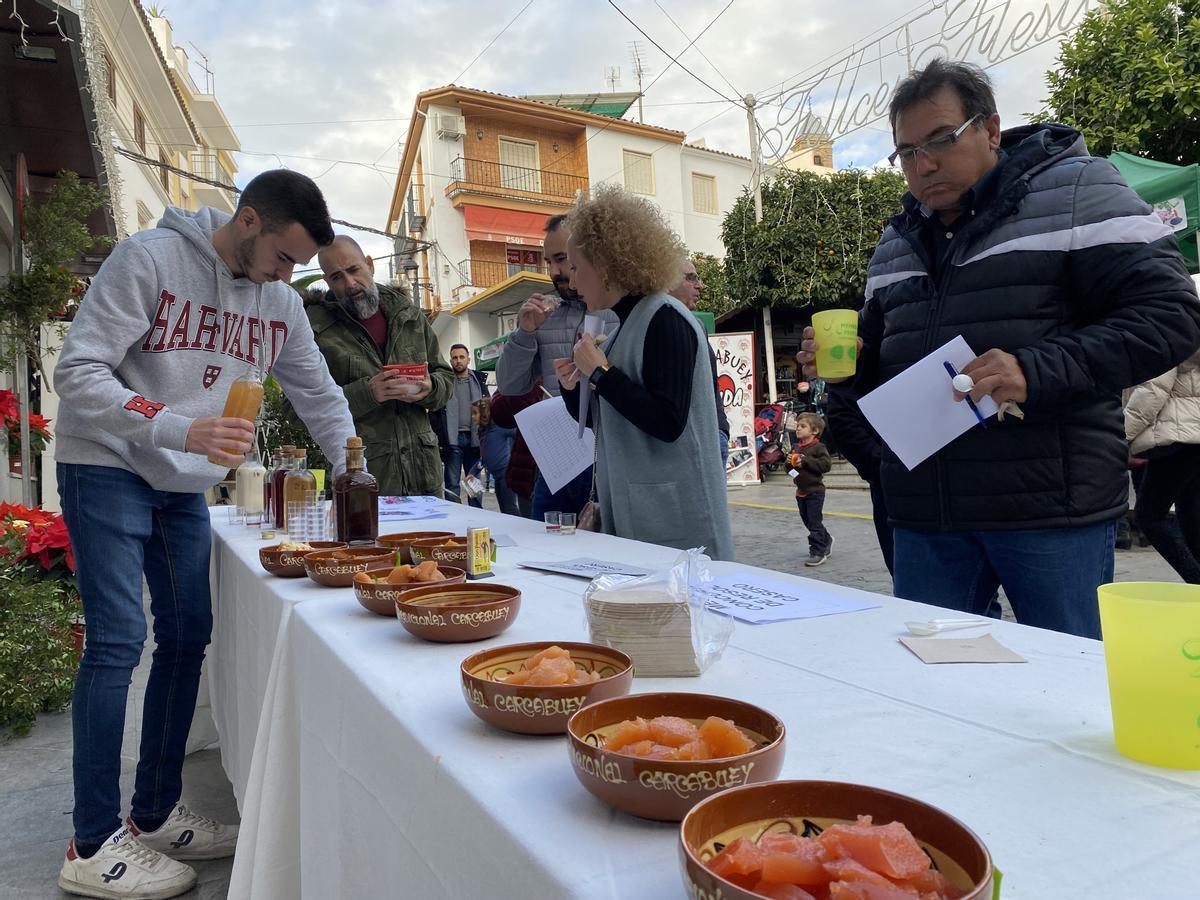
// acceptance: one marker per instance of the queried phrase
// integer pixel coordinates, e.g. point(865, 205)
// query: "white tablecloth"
point(372, 778)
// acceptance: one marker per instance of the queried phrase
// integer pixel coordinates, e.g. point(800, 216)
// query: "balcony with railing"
point(494, 179)
point(206, 164)
point(486, 273)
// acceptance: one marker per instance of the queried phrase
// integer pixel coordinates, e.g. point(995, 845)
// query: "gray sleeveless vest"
point(663, 493)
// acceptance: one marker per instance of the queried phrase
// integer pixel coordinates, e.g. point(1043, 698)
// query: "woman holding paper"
point(659, 476)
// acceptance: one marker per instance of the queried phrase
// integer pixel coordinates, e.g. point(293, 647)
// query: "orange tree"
point(816, 237)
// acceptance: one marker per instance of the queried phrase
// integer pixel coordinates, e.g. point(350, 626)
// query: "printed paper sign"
point(758, 601)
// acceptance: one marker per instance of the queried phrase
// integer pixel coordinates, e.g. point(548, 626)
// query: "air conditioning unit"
point(450, 127)
point(417, 224)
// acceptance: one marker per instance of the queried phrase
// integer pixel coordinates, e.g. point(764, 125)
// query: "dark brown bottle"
point(356, 499)
point(285, 463)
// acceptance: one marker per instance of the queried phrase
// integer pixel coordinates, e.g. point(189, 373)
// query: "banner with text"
point(736, 385)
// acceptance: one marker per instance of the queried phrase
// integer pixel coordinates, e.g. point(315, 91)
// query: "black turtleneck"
point(659, 405)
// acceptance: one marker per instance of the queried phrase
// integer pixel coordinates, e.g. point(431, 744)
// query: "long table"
point(361, 773)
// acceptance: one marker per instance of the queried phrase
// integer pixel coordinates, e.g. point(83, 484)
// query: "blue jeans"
point(1050, 575)
point(496, 449)
point(570, 499)
point(459, 457)
point(120, 528)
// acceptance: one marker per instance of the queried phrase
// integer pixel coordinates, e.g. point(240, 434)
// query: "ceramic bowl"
point(664, 789)
point(381, 598)
point(290, 563)
point(437, 550)
point(540, 709)
point(326, 571)
point(453, 614)
point(401, 541)
point(807, 808)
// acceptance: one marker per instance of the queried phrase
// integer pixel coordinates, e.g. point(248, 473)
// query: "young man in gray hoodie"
point(173, 317)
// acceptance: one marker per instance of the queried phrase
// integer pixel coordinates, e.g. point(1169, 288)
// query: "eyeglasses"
point(692, 277)
point(932, 148)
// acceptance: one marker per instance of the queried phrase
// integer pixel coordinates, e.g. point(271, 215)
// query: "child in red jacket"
point(810, 461)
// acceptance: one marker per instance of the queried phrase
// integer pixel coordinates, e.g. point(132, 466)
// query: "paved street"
point(35, 771)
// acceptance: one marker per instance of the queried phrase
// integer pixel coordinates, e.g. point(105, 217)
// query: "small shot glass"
point(554, 522)
point(566, 523)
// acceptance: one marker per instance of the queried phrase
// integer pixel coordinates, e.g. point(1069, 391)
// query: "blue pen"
point(970, 402)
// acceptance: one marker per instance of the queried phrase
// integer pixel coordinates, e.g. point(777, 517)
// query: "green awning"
point(1173, 191)
point(486, 356)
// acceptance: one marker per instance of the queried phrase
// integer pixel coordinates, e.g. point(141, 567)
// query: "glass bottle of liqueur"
point(299, 485)
point(285, 463)
point(248, 489)
point(356, 499)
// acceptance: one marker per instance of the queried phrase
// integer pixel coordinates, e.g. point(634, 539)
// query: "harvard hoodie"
point(160, 337)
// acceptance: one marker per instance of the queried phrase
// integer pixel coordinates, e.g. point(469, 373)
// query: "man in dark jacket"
point(1070, 289)
point(460, 431)
point(361, 327)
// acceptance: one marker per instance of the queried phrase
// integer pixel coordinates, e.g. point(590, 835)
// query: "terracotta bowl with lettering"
point(381, 598)
point(290, 563)
point(540, 709)
point(453, 614)
point(401, 540)
point(440, 551)
point(665, 789)
point(325, 570)
point(808, 807)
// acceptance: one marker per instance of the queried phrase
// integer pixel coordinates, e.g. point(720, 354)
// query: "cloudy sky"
point(327, 88)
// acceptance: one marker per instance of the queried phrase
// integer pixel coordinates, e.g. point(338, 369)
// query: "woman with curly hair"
point(659, 476)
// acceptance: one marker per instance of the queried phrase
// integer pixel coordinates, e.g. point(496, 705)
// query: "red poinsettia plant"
point(35, 543)
point(39, 430)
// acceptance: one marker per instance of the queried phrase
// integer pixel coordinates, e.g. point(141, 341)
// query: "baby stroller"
point(768, 433)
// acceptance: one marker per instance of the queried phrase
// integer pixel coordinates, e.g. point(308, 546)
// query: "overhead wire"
point(674, 60)
point(663, 10)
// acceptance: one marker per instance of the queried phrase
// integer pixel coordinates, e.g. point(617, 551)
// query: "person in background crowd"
point(548, 326)
point(1069, 288)
point(687, 292)
point(361, 327)
point(1162, 423)
point(657, 477)
point(863, 448)
point(142, 380)
point(458, 425)
point(495, 449)
point(811, 461)
point(522, 470)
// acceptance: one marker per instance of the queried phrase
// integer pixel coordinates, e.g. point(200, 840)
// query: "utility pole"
point(756, 184)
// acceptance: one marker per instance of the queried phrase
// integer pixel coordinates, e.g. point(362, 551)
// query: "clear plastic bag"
point(659, 619)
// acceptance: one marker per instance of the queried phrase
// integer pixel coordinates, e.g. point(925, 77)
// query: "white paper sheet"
point(916, 414)
point(757, 600)
point(409, 509)
point(553, 439)
point(984, 649)
point(592, 325)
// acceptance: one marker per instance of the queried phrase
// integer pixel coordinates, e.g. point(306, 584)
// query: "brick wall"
point(571, 158)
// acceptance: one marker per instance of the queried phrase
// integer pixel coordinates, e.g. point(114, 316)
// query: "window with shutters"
point(164, 175)
point(519, 165)
point(639, 172)
point(139, 129)
point(704, 193)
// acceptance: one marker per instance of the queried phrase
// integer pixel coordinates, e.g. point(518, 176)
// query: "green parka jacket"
point(401, 449)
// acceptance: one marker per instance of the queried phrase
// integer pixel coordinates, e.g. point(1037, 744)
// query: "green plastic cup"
point(836, 333)
point(1152, 652)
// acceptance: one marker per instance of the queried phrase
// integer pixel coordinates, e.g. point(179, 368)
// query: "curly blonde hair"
point(628, 240)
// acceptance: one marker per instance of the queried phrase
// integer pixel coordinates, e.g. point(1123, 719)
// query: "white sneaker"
point(125, 869)
point(186, 835)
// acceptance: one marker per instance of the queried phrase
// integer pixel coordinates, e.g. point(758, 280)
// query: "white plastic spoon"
point(936, 626)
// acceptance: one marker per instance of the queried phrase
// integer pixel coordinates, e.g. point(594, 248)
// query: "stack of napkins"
point(653, 627)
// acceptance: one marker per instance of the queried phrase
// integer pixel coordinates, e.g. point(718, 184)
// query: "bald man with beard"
point(360, 327)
